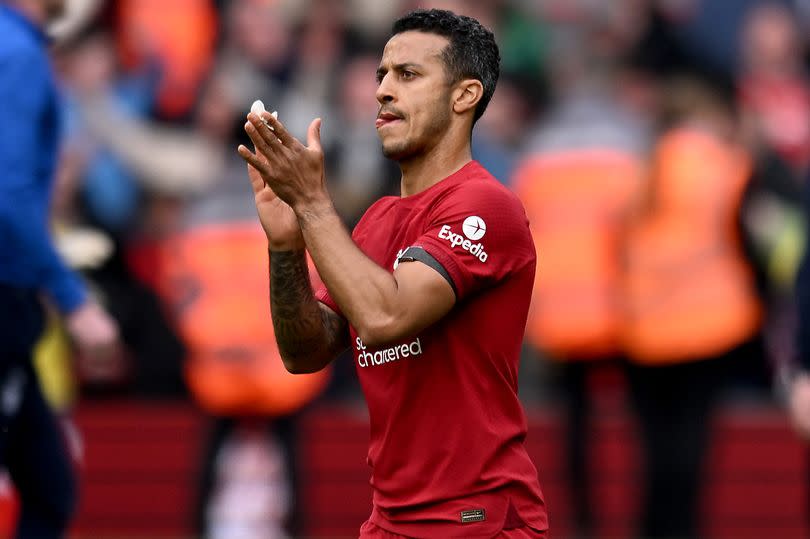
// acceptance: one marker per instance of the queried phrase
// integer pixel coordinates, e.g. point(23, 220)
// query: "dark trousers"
point(674, 404)
point(574, 379)
point(575, 376)
point(32, 448)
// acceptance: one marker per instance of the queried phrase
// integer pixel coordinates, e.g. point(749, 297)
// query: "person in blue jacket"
point(32, 449)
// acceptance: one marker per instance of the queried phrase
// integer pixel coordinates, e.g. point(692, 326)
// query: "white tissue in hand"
point(258, 107)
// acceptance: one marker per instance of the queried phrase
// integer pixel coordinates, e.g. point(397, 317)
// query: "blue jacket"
point(29, 145)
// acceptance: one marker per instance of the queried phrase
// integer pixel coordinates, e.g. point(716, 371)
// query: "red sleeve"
point(319, 289)
point(480, 234)
point(322, 295)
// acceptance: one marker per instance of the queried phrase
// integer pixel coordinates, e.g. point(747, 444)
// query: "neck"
point(33, 10)
point(428, 169)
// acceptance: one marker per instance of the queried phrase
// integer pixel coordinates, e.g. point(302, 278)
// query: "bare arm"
point(382, 307)
point(309, 334)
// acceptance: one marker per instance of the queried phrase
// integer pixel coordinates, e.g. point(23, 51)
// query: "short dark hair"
point(472, 52)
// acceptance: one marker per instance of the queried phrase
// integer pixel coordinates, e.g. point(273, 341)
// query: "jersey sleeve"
point(478, 234)
point(322, 295)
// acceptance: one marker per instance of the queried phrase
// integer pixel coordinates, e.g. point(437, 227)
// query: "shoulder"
point(478, 205)
point(479, 189)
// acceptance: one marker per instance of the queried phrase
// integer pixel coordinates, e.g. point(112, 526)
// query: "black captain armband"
point(412, 254)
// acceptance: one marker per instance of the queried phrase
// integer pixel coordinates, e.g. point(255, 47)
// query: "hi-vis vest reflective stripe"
point(576, 201)
point(689, 292)
point(217, 279)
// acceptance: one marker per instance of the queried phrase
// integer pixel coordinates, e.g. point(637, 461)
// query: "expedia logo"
point(474, 228)
point(386, 355)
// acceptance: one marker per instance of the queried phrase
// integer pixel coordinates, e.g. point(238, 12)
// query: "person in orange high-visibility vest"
point(691, 300)
point(211, 267)
point(235, 373)
point(578, 181)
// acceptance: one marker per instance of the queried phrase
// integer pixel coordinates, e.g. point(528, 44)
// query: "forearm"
point(167, 161)
point(308, 335)
point(365, 292)
point(380, 308)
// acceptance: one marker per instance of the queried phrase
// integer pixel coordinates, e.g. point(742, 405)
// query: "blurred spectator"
point(248, 491)
point(98, 201)
point(197, 235)
point(707, 30)
point(176, 39)
point(358, 172)
point(211, 275)
point(692, 308)
point(774, 95)
point(774, 88)
point(521, 33)
point(320, 38)
point(502, 136)
point(256, 51)
point(799, 383)
point(583, 170)
point(31, 444)
point(106, 187)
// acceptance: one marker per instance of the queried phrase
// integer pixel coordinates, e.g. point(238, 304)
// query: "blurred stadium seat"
point(141, 457)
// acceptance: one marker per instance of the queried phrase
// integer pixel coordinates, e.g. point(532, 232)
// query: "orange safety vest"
point(576, 202)
point(217, 280)
point(690, 293)
point(179, 35)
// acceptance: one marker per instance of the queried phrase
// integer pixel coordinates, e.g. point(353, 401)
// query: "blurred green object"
point(523, 45)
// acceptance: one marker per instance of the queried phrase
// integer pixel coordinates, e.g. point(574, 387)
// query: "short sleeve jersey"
point(447, 428)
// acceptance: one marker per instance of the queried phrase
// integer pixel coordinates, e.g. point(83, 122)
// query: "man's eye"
point(408, 75)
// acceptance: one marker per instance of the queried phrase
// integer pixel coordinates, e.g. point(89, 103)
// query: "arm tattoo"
point(304, 330)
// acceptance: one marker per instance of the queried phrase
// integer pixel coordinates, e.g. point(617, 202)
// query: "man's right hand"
point(278, 219)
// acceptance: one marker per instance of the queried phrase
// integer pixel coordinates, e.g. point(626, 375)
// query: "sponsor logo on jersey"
point(386, 355)
point(474, 228)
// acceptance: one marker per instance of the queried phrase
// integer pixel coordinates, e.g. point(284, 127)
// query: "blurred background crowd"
point(660, 147)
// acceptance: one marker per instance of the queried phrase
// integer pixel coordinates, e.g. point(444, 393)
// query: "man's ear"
point(466, 95)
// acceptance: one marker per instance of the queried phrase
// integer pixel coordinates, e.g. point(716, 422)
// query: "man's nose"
point(385, 92)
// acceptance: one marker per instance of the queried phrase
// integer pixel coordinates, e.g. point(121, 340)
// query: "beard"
point(400, 150)
point(418, 144)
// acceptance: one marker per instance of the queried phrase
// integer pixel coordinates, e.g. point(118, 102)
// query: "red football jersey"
point(447, 429)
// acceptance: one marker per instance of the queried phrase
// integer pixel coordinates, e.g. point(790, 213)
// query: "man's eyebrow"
point(407, 65)
point(381, 71)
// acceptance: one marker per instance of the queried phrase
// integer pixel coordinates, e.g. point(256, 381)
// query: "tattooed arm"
point(296, 211)
point(309, 334)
